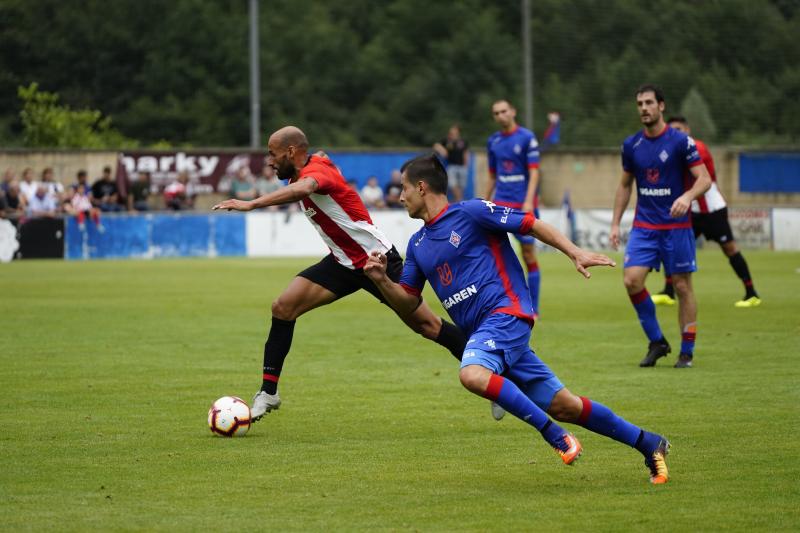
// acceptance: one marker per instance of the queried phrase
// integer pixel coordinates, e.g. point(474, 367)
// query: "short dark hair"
point(81, 174)
point(107, 169)
point(678, 118)
point(650, 88)
point(427, 168)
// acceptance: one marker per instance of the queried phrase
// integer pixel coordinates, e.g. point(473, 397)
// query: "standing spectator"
point(8, 176)
point(27, 187)
point(54, 188)
point(80, 205)
point(371, 193)
point(42, 204)
point(393, 190)
point(138, 191)
point(243, 187)
point(104, 192)
point(179, 195)
point(455, 152)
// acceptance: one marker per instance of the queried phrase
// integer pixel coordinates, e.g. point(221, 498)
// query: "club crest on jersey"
point(652, 175)
point(310, 212)
point(517, 149)
point(663, 156)
point(455, 239)
point(445, 274)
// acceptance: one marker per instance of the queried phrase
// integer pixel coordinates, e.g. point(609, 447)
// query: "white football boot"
point(263, 403)
point(498, 412)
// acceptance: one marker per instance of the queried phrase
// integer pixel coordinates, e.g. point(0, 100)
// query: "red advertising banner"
point(208, 171)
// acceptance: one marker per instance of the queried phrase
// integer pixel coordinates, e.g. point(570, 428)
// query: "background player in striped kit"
point(339, 216)
point(710, 219)
point(661, 161)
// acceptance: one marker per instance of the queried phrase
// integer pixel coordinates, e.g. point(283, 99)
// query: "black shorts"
point(342, 281)
point(713, 226)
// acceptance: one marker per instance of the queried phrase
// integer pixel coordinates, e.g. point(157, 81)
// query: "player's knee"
point(283, 310)
point(566, 407)
point(632, 284)
point(682, 284)
point(472, 379)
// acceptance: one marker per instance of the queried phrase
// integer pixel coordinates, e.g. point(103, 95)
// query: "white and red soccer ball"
point(229, 417)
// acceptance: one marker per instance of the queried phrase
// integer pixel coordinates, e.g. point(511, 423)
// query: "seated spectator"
point(43, 204)
point(268, 182)
point(8, 176)
point(105, 194)
point(353, 185)
point(80, 205)
point(371, 193)
point(27, 187)
point(15, 203)
point(54, 188)
point(243, 187)
point(393, 190)
point(83, 179)
point(179, 195)
point(138, 192)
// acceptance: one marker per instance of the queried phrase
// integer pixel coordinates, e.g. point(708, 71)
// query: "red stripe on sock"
point(668, 279)
point(639, 297)
point(533, 267)
point(270, 377)
point(586, 411)
point(492, 391)
point(689, 336)
point(748, 283)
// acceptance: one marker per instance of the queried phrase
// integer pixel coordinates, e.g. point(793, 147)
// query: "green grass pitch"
point(109, 367)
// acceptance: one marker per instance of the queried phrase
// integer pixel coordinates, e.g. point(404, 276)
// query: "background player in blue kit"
point(464, 252)
point(661, 160)
point(513, 154)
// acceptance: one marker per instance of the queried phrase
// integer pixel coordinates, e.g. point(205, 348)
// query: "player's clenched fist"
point(375, 267)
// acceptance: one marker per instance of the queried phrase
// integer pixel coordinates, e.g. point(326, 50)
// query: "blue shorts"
point(522, 367)
point(674, 248)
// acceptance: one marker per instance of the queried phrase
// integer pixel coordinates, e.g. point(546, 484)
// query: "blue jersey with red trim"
point(511, 155)
point(660, 165)
point(465, 255)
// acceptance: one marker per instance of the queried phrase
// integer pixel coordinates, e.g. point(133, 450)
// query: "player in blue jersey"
point(660, 160)
point(464, 252)
point(514, 180)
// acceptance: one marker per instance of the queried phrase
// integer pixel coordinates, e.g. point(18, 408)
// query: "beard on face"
point(286, 170)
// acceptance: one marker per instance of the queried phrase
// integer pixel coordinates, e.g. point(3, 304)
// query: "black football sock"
point(275, 350)
point(740, 267)
point(669, 289)
point(452, 338)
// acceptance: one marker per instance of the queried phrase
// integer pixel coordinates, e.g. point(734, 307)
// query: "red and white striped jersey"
point(712, 200)
point(339, 216)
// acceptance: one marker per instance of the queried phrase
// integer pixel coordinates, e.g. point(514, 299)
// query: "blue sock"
point(687, 338)
point(600, 419)
point(534, 279)
point(646, 310)
point(508, 396)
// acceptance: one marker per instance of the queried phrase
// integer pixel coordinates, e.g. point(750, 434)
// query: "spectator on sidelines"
point(42, 204)
point(55, 188)
point(179, 195)
point(27, 187)
point(80, 205)
point(15, 203)
point(105, 194)
point(455, 151)
point(393, 189)
point(82, 179)
point(138, 192)
point(8, 176)
point(243, 187)
point(268, 182)
point(372, 194)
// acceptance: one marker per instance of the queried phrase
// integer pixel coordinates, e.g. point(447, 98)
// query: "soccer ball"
point(229, 417)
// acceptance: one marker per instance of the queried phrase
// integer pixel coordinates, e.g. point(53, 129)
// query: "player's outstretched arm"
point(294, 192)
point(397, 297)
point(581, 258)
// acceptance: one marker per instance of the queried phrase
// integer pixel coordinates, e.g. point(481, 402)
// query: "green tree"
point(50, 125)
